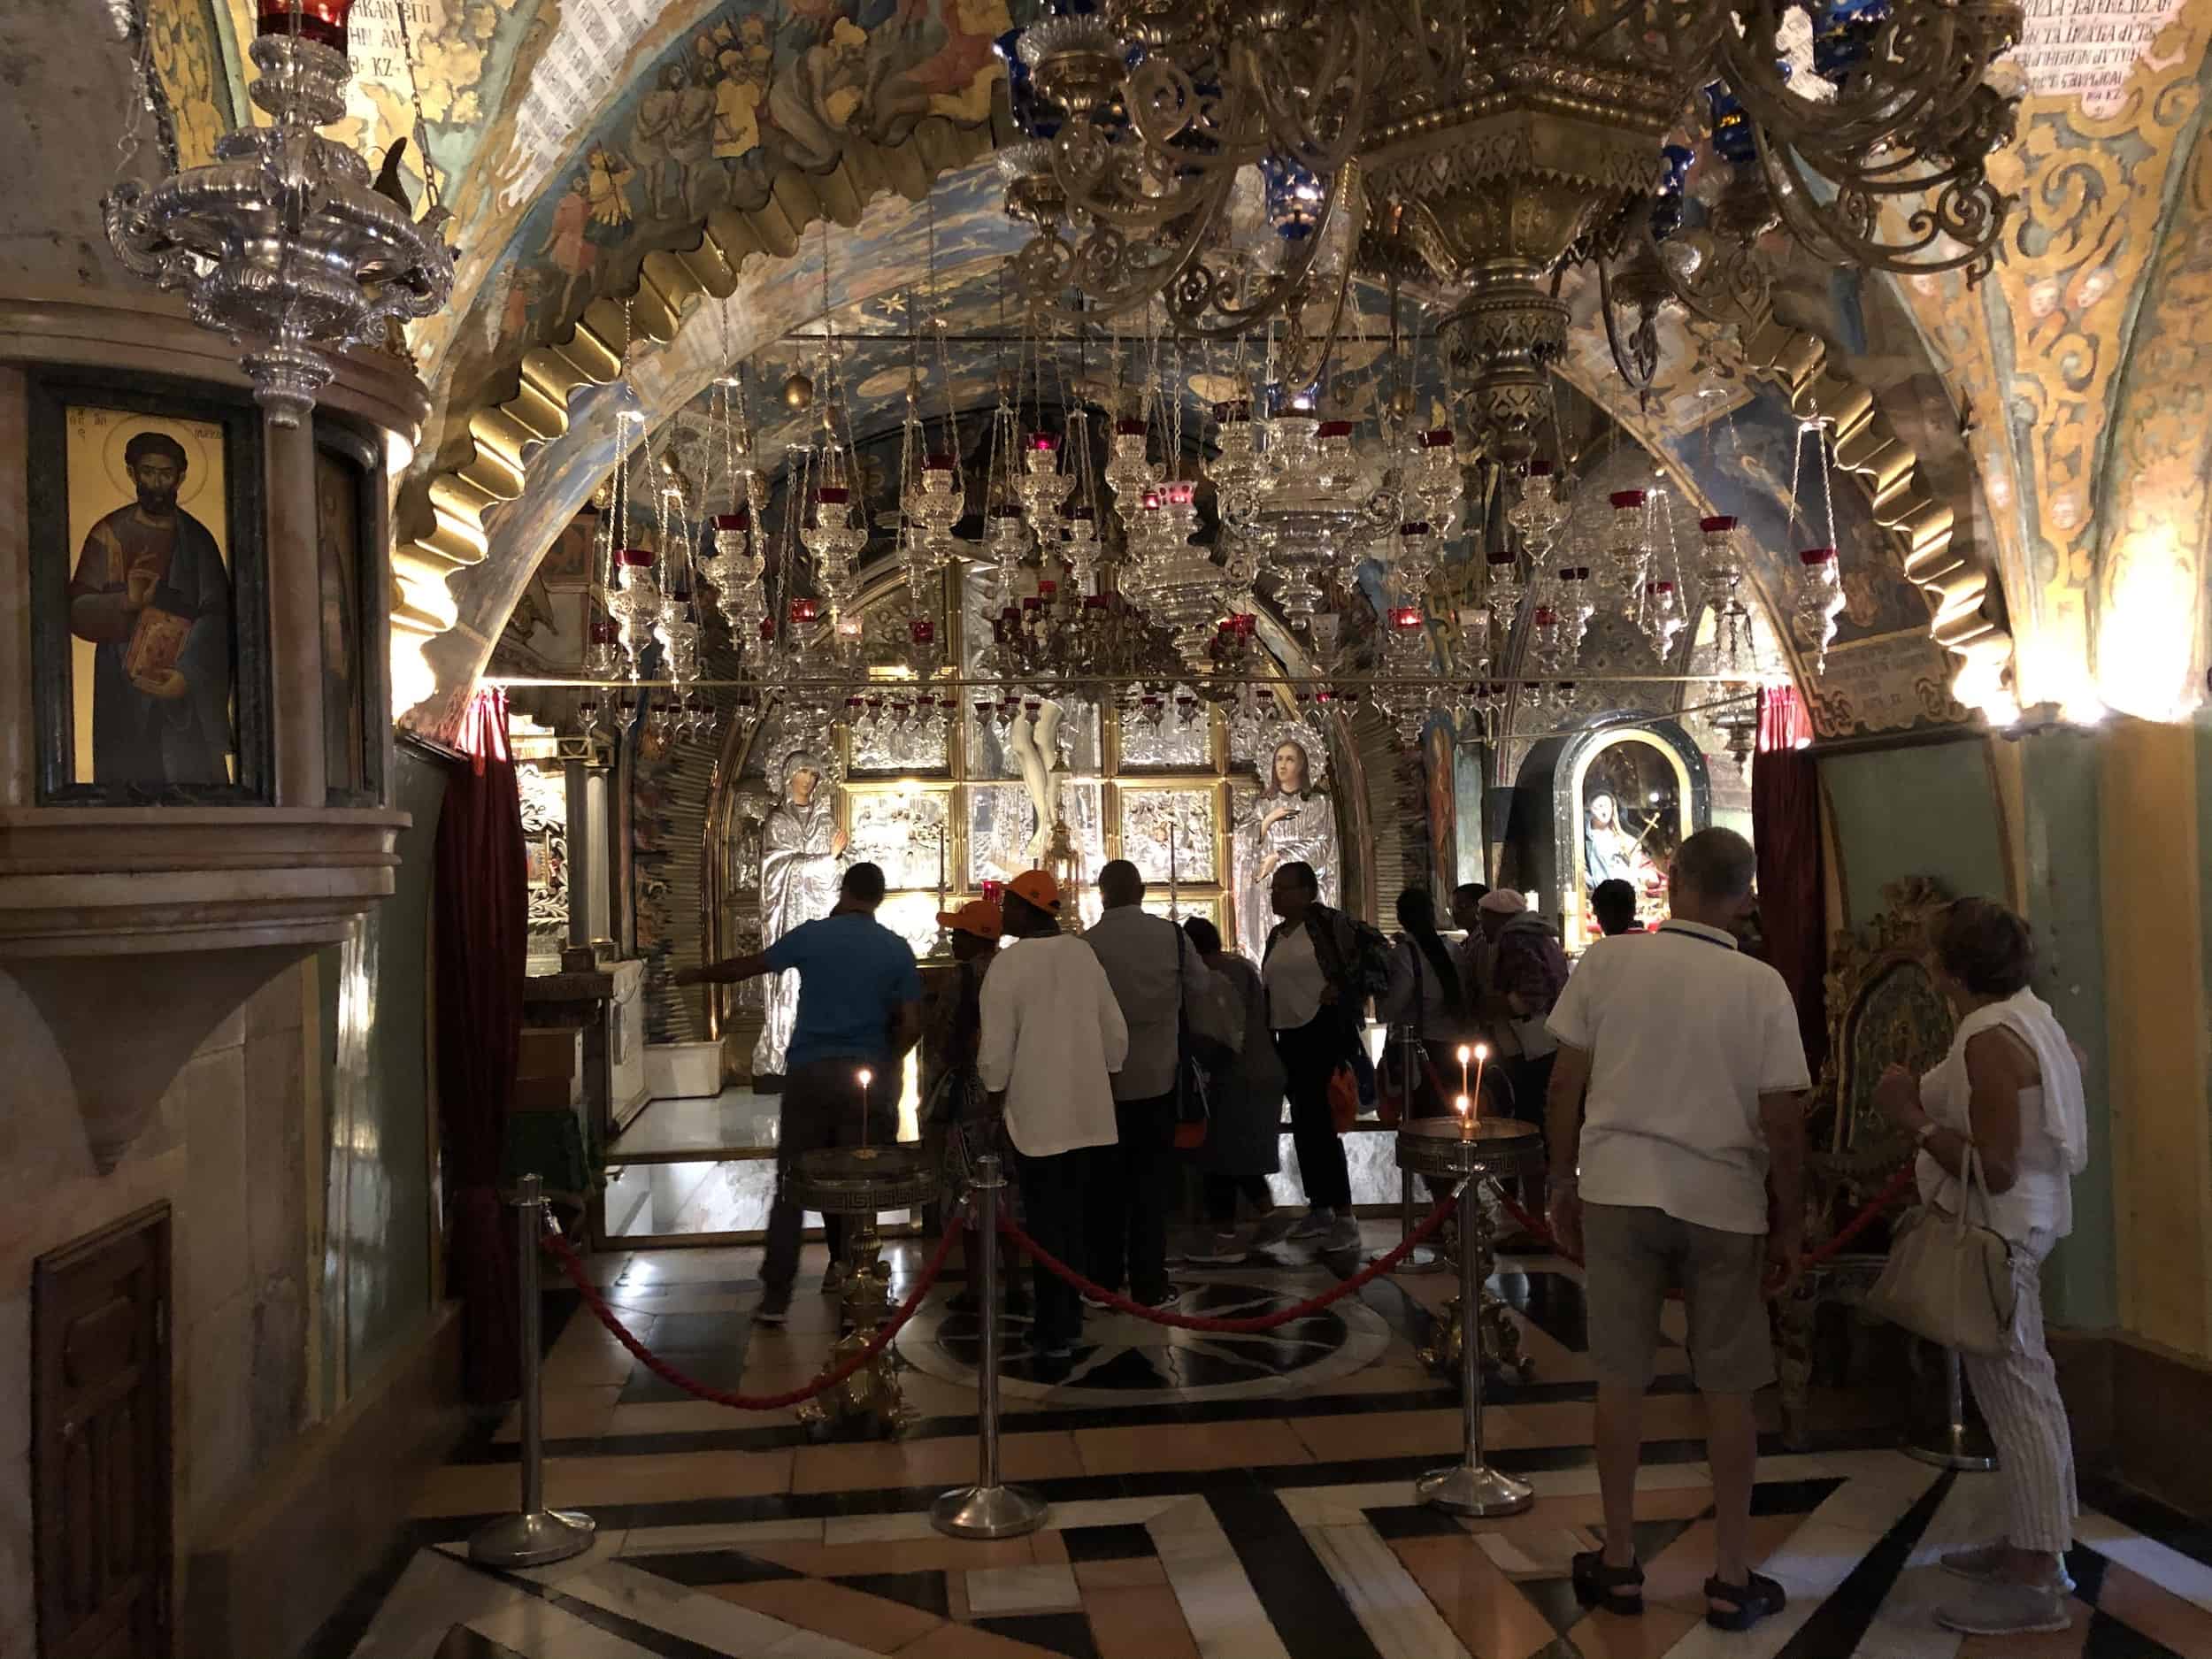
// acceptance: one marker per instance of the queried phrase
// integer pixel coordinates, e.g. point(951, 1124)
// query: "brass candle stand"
point(860, 1182)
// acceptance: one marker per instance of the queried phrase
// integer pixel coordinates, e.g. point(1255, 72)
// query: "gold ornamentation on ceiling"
point(493, 469)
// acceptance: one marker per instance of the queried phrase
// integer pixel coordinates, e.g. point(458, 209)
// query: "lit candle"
point(1465, 1054)
point(1482, 1056)
point(866, 1078)
point(1462, 1105)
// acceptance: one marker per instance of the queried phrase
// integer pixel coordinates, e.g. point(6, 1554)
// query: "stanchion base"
point(988, 1512)
point(1421, 1259)
point(1965, 1449)
point(1474, 1489)
point(536, 1539)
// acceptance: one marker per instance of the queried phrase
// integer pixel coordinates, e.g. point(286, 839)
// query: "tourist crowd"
point(1666, 1068)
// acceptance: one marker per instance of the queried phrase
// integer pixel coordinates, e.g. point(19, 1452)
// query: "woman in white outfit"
point(2011, 1089)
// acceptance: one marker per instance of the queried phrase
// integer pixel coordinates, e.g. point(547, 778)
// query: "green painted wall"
point(1930, 810)
point(2058, 772)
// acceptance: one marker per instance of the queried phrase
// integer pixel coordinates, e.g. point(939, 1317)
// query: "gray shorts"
point(1633, 1256)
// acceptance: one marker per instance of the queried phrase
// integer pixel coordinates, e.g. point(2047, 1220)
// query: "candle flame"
point(1459, 1104)
point(866, 1077)
point(1482, 1051)
point(1465, 1054)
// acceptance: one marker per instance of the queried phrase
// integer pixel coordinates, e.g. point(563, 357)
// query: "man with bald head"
point(1156, 975)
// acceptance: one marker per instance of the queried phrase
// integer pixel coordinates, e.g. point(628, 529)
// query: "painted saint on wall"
point(800, 859)
point(1290, 821)
point(150, 605)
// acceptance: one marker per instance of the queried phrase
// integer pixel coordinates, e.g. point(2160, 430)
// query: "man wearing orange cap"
point(1053, 1037)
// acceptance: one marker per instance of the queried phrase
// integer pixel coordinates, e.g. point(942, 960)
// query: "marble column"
point(296, 661)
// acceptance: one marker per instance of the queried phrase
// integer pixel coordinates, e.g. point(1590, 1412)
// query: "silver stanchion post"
point(1957, 1446)
point(988, 1509)
point(535, 1536)
point(1421, 1258)
point(1472, 1487)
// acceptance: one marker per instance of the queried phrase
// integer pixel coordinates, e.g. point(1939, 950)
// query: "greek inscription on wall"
point(2084, 50)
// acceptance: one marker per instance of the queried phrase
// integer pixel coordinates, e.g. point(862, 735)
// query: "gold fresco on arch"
point(2091, 190)
point(181, 37)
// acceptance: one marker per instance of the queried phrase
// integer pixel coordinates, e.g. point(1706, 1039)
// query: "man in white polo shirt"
point(1677, 1129)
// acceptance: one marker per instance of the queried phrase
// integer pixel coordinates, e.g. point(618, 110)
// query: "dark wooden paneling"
point(100, 1446)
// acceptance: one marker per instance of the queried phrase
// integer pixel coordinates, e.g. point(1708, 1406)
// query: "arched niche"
point(1649, 767)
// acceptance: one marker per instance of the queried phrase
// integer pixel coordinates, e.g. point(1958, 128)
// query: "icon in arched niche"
point(1633, 803)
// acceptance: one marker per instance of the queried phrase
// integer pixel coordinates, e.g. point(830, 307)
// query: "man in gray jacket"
point(1156, 975)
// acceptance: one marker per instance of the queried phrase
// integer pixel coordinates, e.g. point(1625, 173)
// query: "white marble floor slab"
point(1218, 1602)
point(995, 1592)
point(1396, 1613)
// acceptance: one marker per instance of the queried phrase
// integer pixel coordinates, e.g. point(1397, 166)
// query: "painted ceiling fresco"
point(574, 140)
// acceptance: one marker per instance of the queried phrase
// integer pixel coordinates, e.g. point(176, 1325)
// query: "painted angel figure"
point(801, 850)
point(1290, 821)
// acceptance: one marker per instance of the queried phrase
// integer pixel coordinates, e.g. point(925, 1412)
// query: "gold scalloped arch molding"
point(500, 436)
point(670, 282)
point(1920, 526)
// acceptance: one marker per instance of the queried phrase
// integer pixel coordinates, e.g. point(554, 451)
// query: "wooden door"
point(100, 1446)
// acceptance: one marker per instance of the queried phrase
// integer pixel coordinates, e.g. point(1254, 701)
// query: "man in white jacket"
point(1053, 1036)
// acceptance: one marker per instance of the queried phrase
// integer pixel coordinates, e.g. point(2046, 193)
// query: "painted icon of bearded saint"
point(151, 595)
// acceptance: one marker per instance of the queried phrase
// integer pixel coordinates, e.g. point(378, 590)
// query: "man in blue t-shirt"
point(860, 1002)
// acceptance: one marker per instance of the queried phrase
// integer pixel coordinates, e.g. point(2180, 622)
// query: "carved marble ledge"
point(135, 930)
point(129, 881)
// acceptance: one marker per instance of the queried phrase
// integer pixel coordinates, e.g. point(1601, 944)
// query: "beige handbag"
point(1948, 1278)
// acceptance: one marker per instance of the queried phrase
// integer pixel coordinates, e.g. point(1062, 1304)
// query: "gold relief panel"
point(1172, 743)
point(907, 829)
point(1171, 832)
point(913, 917)
point(1003, 829)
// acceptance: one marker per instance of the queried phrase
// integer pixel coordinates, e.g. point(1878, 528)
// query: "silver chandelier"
point(282, 240)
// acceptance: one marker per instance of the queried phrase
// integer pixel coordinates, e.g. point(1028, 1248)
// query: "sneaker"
point(773, 1309)
point(1225, 1250)
point(1312, 1224)
point(1099, 1303)
point(1984, 1563)
point(1165, 1296)
point(834, 1280)
point(2001, 1608)
point(1343, 1235)
point(1273, 1227)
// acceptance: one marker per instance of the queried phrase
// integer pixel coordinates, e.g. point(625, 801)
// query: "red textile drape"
point(1786, 829)
point(479, 910)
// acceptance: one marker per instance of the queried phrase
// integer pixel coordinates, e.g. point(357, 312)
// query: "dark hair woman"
point(2010, 1094)
point(1425, 1009)
point(1246, 1095)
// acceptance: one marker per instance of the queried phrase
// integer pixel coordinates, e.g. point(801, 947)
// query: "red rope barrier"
point(1875, 1207)
point(1258, 1323)
point(572, 1265)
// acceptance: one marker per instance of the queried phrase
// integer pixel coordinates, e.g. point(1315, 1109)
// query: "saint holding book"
point(152, 594)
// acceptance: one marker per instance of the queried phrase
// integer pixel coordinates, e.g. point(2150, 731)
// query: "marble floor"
point(1199, 1509)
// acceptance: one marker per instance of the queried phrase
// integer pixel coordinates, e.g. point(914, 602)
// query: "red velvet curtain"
point(1786, 829)
point(481, 932)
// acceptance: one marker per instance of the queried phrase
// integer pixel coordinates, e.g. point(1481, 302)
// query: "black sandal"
point(1615, 1589)
point(1754, 1599)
